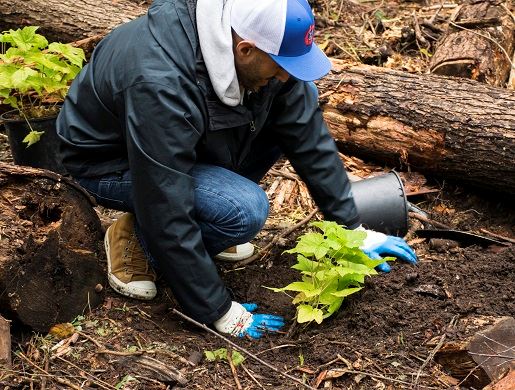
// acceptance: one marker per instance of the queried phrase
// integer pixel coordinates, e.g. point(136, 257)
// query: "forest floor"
point(383, 337)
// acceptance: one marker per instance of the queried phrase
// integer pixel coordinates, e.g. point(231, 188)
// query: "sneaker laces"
point(138, 264)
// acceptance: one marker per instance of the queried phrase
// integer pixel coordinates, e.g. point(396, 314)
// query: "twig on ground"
point(429, 221)
point(379, 376)
point(276, 347)
point(434, 351)
point(119, 353)
point(54, 377)
point(44, 378)
point(504, 238)
point(233, 370)
point(103, 350)
point(472, 371)
point(241, 349)
point(418, 33)
point(281, 173)
point(251, 376)
point(96, 380)
point(508, 357)
point(267, 247)
point(172, 355)
point(91, 339)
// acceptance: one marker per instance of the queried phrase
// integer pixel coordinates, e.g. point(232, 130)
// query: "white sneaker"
point(236, 253)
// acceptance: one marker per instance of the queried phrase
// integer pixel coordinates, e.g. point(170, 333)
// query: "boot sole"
point(116, 284)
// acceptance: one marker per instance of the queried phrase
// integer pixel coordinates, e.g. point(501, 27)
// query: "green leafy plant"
point(221, 354)
point(332, 268)
point(125, 381)
point(35, 75)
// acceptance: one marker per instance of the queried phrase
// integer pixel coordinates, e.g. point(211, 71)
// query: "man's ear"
point(245, 50)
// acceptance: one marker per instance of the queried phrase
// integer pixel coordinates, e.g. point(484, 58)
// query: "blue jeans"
point(230, 208)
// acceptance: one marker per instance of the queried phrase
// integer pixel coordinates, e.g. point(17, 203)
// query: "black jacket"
point(144, 102)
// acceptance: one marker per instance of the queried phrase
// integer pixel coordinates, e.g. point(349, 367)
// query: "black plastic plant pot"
point(44, 153)
point(382, 204)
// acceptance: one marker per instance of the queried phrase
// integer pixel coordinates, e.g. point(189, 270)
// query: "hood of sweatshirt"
point(215, 38)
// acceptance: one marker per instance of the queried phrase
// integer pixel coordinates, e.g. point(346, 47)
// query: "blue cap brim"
point(308, 67)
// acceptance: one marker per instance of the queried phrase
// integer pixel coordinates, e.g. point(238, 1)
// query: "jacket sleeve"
point(162, 130)
point(306, 142)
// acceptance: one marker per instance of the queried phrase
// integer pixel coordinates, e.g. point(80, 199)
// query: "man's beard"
point(248, 76)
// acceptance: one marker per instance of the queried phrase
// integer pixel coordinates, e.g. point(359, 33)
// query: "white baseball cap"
point(284, 29)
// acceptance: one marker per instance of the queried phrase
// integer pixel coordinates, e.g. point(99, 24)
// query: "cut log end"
point(51, 247)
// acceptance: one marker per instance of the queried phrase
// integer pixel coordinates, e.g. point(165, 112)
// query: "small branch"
point(494, 356)
point(241, 349)
point(433, 352)
point(120, 353)
point(504, 238)
point(287, 175)
point(91, 339)
point(276, 347)
point(54, 377)
point(429, 221)
point(233, 370)
point(97, 381)
point(418, 32)
point(274, 241)
point(251, 376)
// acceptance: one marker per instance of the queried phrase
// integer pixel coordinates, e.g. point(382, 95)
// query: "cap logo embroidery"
point(308, 38)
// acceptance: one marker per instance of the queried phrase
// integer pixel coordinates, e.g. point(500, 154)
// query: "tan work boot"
point(236, 253)
point(128, 270)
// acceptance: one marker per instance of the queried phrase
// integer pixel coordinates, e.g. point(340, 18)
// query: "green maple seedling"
point(332, 267)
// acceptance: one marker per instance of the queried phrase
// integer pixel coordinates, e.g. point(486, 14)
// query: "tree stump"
point(478, 44)
point(453, 128)
point(50, 248)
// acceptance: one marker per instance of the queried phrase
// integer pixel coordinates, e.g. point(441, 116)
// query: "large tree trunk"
point(50, 246)
point(479, 43)
point(68, 20)
point(458, 129)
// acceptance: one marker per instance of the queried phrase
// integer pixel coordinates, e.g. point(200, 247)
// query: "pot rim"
point(6, 117)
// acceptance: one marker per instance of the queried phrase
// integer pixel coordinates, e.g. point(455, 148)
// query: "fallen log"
point(479, 43)
point(456, 129)
point(68, 20)
point(50, 246)
point(482, 353)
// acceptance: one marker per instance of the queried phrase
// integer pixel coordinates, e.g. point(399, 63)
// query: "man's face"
point(254, 67)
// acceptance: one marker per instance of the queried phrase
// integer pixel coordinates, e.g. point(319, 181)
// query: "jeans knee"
point(256, 212)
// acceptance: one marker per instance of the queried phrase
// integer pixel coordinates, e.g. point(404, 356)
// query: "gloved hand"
point(240, 321)
point(378, 244)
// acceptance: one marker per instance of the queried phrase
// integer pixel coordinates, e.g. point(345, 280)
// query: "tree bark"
point(68, 21)
point(478, 44)
point(457, 129)
point(50, 248)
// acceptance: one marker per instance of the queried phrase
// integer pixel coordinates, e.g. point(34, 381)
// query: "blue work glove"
point(377, 245)
point(239, 321)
